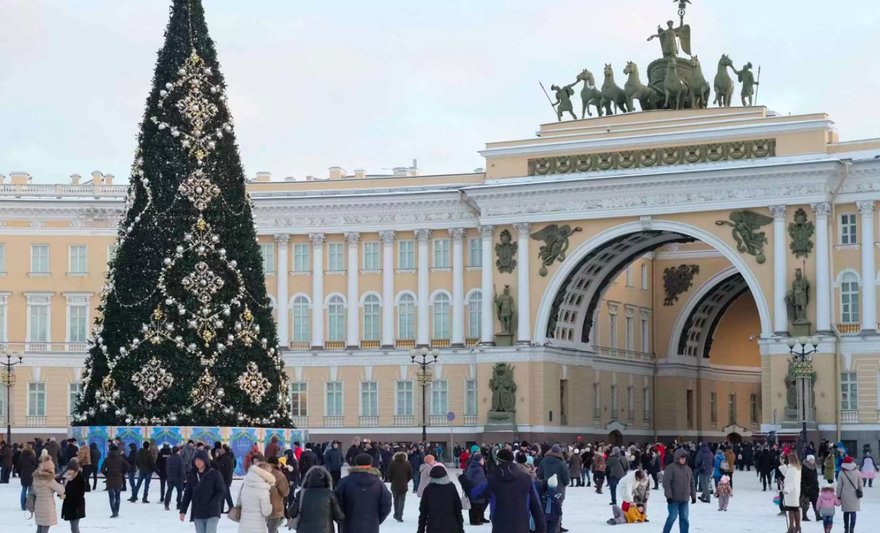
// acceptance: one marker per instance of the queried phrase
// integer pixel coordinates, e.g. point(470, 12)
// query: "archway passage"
point(571, 315)
point(615, 438)
point(699, 328)
point(734, 438)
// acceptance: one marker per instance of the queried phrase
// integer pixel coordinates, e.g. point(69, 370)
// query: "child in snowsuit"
point(635, 514)
point(826, 503)
point(723, 491)
point(551, 505)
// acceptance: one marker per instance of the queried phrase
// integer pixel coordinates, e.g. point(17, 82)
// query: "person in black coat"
point(809, 487)
point(307, 459)
point(226, 464)
point(291, 472)
point(440, 508)
point(27, 464)
point(175, 474)
point(5, 461)
point(95, 458)
point(73, 508)
point(316, 504)
point(205, 489)
point(364, 499)
point(508, 487)
point(333, 461)
point(146, 465)
point(161, 469)
point(132, 465)
point(114, 469)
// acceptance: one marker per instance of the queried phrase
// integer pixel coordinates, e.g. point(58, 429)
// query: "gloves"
point(668, 500)
point(693, 500)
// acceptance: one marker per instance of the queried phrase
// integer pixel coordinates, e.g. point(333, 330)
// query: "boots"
point(804, 517)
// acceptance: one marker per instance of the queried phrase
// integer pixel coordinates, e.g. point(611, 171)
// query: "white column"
point(423, 335)
point(317, 289)
point(487, 328)
point(387, 288)
point(457, 286)
point(869, 285)
point(780, 269)
point(281, 296)
point(352, 320)
point(523, 307)
point(823, 270)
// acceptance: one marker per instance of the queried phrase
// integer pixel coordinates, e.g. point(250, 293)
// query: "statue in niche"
point(745, 232)
point(505, 308)
point(503, 389)
point(555, 244)
point(801, 233)
point(505, 251)
point(677, 280)
point(798, 298)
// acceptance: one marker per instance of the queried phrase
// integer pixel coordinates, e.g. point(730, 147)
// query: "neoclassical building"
point(649, 257)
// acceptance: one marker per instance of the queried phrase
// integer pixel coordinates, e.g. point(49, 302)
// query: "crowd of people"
point(522, 486)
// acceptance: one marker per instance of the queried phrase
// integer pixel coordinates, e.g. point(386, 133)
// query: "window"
point(753, 408)
point(475, 252)
point(369, 398)
point(849, 392)
point(614, 401)
point(646, 403)
point(439, 397)
point(645, 334)
point(475, 304)
point(406, 256)
point(441, 316)
point(406, 317)
point(72, 396)
point(629, 333)
point(597, 401)
point(301, 323)
point(713, 407)
point(38, 318)
point(849, 298)
point(612, 327)
point(3, 330)
point(563, 403)
point(299, 399)
point(77, 322)
point(267, 250)
point(36, 399)
point(630, 402)
point(403, 402)
point(336, 256)
point(2, 258)
point(645, 280)
point(372, 318)
point(371, 255)
point(441, 253)
point(470, 397)
point(40, 258)
point(333, 403)
point(78, 259)
point(689, 408)
point(848, 234)
point(731, 408)
point(336, 318)
point(629, 276)
point(301, 257)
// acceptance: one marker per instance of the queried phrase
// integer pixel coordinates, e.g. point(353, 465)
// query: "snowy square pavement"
point(751, 510)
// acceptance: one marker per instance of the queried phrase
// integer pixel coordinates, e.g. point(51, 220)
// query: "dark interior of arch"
point(699, 328)
point(602, 266)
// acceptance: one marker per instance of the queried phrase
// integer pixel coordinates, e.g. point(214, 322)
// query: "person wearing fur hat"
point(73, 509)
point(45, 488)
point(440, 508)
point(399, 473)
point(849, 490)
point(723, 491)
point(507, 488)
point(364, 499)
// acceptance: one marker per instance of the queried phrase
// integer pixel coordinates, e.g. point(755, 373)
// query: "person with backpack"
point(42, 499)
point(73, 509)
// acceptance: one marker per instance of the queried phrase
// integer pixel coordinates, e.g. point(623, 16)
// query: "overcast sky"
point(374, 84)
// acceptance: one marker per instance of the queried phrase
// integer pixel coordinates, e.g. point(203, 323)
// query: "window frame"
point(40, 395)
point(336, 320)
point(849, 391)
point(298, 256)
point(442, 302)
point(84, 258)
point(404, 387)
point(848, 229)
point(303, 301)
point(372, 256)
point(406, 249)
point(302, 395)
point(475, 252)
point(335, 257)
point(439, 397)
point(370, 389)
point(371, 321)
point(341, 398)
point(410, 305)
point(441, 253)
point(267, 253)
point(35, 259)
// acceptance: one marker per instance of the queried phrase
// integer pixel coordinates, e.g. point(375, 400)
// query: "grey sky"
point(374, 84)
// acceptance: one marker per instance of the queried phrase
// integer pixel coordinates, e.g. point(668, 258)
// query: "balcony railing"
point(334, 345)
point(300, 421)
point(45, 346)
point(849, 328)
point(849, 416)
point(404, 421)
point(620, 353)
point(35, 421)
point(332, 421)
point(369, 345)
point(471, 341)
point(369, 421)
point(300, 345)
point(437, 420)
point(469, 420)
point(440, 343)
point(405, 343)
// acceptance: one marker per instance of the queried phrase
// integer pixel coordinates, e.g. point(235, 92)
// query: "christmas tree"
point(185, 334)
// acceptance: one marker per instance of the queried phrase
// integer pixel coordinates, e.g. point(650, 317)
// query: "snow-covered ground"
point(751, 510)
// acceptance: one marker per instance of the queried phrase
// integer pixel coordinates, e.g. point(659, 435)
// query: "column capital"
point(457, 234)
point(422, 235)
point(281, 239)
point(778, 211)
point(821, 209)
point(522, 228)
point(352, 238)
point(487, 232)
point(387, 236)
point(866, 207)
point(317, 239)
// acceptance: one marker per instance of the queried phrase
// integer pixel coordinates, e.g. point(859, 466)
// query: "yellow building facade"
point(609, 339)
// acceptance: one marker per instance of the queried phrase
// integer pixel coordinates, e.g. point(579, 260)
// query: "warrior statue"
point(503, 389)
point(798, 297)
point(747, 78)
point(504, 307)
point(563, 100)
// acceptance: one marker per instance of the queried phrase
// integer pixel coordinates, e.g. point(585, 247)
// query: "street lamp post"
point(424, 377)
point(9, 381)
point(803, 371)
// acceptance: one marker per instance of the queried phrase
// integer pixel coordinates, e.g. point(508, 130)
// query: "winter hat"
point(725, 479)
point(848, 460)
point(505, 455)
point(363, 459)
point(553, 482)
point(615, 450)
point(811, 458)
point(438, 472)
point(555, 449)
point(73, 464)
point(475, 448)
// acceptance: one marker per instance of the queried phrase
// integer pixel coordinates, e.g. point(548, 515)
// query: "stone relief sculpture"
point(745, 232)
point(503, 389)
point(801, 233)
point(505, 251)
point(555, 245)
point(677, 280)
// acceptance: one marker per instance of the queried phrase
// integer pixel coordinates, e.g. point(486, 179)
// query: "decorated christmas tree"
point(185, 334)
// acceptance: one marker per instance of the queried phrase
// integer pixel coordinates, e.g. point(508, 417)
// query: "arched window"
point(372, 318)
point(336, 318)
point(475, 303)
point(300, 317)
point(441, 316)
point(849, 298)
point(406, 317)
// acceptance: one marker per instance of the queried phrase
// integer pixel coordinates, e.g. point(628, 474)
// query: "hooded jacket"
point(554, 464)
point(364, 500)
point(512, 500)
point(333, 459)
point(705, 460)
point(74, 505)
point(114, 469)
point(27, 464)
point(175, 472)
point(319, 507)
point(440, 508)
point(847, 483)
point(256, 504)
point(205, 490)
point(45, 489)
point(399, 473)
point(475, 475)
point(678, 480)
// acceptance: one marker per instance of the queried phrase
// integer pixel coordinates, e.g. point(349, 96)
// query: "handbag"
point(293, 522)
point(234, 514)
point(859, 492)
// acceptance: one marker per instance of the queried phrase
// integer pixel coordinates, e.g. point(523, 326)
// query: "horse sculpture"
point(590, 95)
point(698, 85)
point(612, 93)
point(723, 82)
point(673, 86)
point(634, 89)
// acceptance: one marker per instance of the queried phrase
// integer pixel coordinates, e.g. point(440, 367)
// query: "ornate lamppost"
point(424, 376)
point(8, 379)
point(803, 372)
